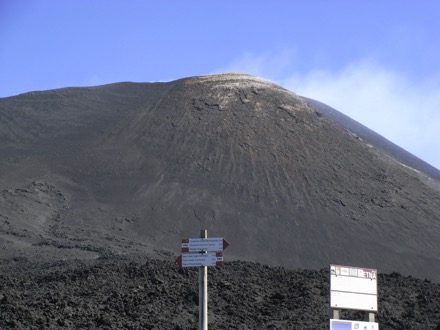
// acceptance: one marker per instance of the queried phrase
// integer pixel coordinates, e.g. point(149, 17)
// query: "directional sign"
point(200, 259)
point(212, 244)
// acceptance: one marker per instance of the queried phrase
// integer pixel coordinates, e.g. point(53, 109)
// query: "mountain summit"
point(132, 168)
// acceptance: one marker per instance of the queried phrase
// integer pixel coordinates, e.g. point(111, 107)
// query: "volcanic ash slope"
point(133, 168)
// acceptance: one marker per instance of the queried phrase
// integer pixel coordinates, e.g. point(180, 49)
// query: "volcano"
point(129, 169)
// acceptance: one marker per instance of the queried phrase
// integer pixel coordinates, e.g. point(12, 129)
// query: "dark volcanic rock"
point(158, 295)
point(130, 169)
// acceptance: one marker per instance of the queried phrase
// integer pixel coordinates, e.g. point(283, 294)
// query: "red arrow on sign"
point(225, 244)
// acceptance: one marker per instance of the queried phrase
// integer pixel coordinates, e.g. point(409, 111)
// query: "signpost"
point(202, 252)
point(353, 288)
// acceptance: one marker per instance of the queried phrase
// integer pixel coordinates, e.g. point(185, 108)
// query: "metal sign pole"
point(203, 291)
point(370, 317)
point(202, 252)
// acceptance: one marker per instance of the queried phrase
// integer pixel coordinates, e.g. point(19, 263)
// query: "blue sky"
point(376, 61)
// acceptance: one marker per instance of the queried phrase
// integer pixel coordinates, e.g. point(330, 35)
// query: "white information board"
point(353, 288)
point(352, 325)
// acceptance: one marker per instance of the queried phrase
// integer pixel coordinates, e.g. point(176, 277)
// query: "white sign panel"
point(201, 259)
point(352, 325)
point(353, 288)
point(212, 244)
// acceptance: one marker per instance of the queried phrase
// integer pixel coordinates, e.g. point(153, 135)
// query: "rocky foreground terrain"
point(157, 294)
